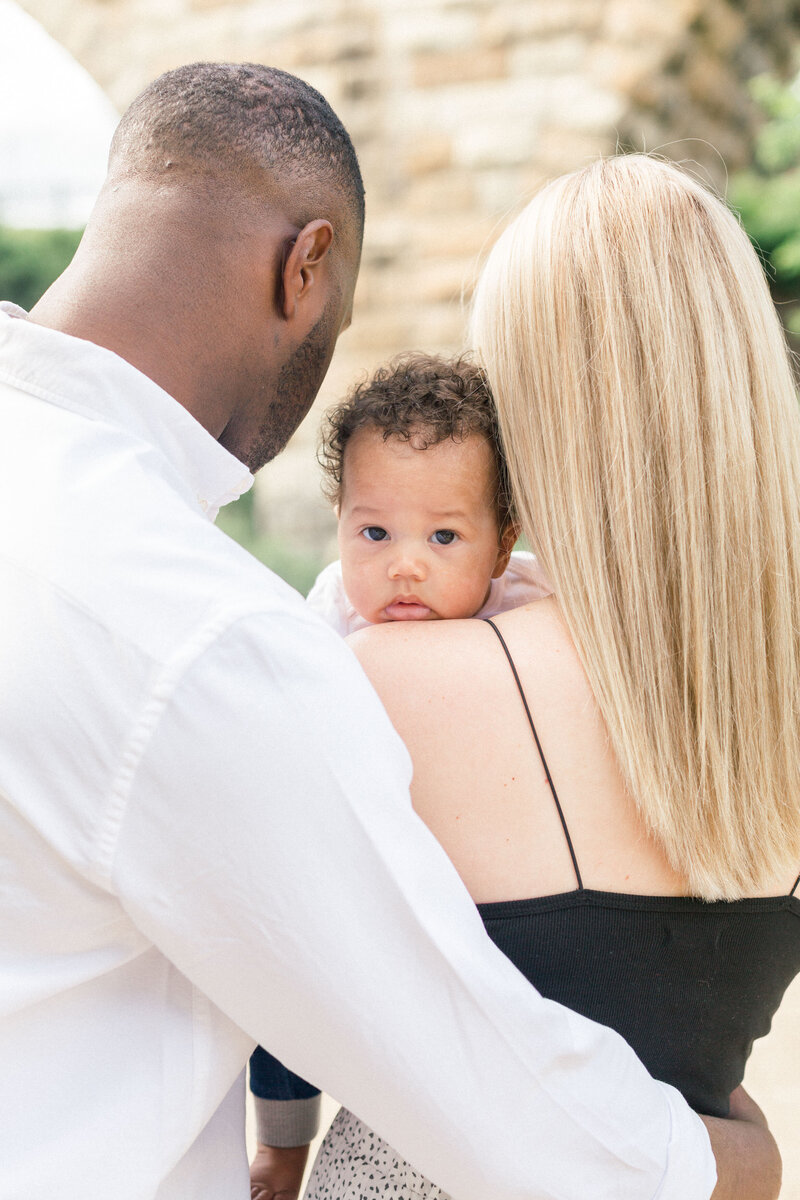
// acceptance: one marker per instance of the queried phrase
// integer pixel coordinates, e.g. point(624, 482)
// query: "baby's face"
point(418, 532)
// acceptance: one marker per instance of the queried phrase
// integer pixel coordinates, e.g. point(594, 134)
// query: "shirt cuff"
point(691, 1169)
point(285, 1123)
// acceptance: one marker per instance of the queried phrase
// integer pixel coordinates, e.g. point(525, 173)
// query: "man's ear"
point(508, 539)
point(302, 262)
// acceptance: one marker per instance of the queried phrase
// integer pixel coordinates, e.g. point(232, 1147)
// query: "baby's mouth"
point(407, 608)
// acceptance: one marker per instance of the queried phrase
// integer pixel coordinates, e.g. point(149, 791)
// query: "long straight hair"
point(650, 420)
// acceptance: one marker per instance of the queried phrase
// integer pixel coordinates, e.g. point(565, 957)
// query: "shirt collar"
point(88, 379)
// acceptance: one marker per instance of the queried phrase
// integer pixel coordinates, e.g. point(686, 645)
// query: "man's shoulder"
point(117, 547)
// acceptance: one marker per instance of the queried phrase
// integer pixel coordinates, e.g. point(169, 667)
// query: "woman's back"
point(612, 931)
point(478, 778)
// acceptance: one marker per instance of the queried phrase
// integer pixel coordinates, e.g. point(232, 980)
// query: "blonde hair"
point(652, 430)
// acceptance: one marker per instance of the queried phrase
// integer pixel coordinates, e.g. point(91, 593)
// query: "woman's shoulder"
point(426, 647)
point(455, 667)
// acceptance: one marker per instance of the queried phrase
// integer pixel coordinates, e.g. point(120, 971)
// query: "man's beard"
point(299, 380)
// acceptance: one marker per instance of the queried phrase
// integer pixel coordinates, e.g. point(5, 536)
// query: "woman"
point(636, 851)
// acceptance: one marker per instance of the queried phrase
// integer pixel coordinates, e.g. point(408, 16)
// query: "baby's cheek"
point(362, 591)
point(464, 595)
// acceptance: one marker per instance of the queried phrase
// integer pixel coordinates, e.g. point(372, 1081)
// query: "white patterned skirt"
point(354, 1163)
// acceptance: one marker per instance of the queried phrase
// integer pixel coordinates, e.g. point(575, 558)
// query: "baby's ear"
point(508, 540)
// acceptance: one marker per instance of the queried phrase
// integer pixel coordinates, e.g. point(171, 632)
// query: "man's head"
point(222, 255)
point(415, 469)
point(246, 120)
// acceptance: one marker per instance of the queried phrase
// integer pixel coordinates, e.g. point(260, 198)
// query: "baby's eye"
point(374, 533)
point(444, 537)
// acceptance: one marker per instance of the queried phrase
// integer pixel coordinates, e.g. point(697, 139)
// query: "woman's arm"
point(748, 1161)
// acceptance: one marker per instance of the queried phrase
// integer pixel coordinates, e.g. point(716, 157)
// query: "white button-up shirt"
point(206, 840)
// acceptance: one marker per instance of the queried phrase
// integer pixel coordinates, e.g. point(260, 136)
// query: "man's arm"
point(748, 1161)
point(263, 839)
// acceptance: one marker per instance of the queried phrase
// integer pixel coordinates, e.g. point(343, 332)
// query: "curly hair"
point(419, 396)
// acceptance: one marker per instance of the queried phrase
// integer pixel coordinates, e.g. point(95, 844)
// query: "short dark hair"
point(419, 396)
point(220, 114)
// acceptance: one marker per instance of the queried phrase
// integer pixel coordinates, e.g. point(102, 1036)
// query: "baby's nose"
point(407, 564)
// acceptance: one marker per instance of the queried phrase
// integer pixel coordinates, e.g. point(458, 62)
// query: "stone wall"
point(459, 110)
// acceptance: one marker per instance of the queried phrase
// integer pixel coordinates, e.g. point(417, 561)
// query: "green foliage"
point(768, 195)
point(30, 259)
point(238, 521)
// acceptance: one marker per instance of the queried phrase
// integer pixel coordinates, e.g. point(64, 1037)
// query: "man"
point(204, 819)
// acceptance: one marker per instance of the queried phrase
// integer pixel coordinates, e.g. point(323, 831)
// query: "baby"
point(415, 470)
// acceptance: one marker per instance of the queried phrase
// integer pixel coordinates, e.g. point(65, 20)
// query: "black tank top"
point(689, 984)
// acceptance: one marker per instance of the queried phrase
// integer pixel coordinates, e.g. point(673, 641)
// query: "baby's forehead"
point(420, 464)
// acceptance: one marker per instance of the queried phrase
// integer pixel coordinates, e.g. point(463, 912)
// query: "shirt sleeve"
point(262, 838)
point(287, 1108)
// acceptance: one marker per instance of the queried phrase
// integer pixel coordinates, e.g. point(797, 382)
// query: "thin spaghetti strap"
point(794, 889)
point(541, 752)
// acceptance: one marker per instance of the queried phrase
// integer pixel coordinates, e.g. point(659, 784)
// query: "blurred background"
point(459, 110)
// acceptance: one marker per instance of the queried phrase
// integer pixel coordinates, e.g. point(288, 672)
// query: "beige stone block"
point(456, 108)
point(426, 154)
point(495, 142)
point(502, 191)
point(580, 104)
point(643, 132)
point(548, 56)
point(265, 22)
point(644, 22)
point(410, 28)
point(385, 234)
point(380, 334)
point(432, 70)
point(385, 288)
point(561, 150)
point(205, 5)
point(464, 237)
point(445, 192)
point(332, 42)
point(439, 281)
point(624, 68)
point(439, 329)
point(508, 24)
